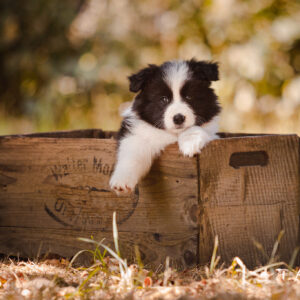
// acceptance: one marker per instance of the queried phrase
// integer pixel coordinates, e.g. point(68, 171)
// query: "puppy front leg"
point(134, 160)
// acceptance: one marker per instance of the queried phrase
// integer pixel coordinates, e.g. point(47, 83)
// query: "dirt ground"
point(109, 279)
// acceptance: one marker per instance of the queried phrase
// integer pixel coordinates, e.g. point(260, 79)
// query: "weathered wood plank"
point(39, 242)
point(61, 184)
point(71, 134)
point(251, 202)
point(54, 188)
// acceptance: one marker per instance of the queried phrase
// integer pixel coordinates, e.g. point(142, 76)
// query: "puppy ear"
point(203, 70)
point(138, 80)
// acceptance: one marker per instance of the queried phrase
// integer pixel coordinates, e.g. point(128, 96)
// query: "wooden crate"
point(245, 189)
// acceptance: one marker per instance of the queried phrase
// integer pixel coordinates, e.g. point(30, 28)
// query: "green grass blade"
point(213, 258)
point(275, 247)
point(293, 258)
point(76, 255)
point(94, 272)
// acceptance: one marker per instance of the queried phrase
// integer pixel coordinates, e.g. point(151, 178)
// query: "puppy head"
point(176, 95)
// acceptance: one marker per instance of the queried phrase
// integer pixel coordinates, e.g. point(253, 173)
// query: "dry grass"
point(109, 277)
point(54, 279)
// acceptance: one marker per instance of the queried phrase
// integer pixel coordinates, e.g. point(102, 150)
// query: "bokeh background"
point(64, 64)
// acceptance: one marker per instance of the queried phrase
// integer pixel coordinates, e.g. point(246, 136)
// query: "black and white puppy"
point(175, 103)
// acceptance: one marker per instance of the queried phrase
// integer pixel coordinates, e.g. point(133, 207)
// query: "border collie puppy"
point(174, 104)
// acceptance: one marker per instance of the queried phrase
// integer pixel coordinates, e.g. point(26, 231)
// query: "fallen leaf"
point(148, 282)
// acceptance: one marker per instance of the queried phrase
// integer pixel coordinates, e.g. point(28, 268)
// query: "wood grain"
point(61, 184)
point(245, 189)
point(251, 203)
point(40, 242)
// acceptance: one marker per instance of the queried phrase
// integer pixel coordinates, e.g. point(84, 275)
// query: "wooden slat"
point(250, 202)
point(39, 242)
point(50, 185)
point(54, 188)
point(71, 134)
point(100, 134)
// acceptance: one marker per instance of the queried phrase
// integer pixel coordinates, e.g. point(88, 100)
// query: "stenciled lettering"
point(103, 168)
point(70, 166)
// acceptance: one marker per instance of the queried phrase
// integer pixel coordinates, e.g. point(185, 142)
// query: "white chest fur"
point(144, 142)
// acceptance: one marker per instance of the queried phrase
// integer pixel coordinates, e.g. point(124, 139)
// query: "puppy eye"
point(187, 97)
point(165, 99)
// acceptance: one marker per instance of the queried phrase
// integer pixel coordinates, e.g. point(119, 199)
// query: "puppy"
point(174, 104)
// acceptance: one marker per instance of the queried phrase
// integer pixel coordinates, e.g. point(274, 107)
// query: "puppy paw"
point(192, 141)
point(122, 183)
point(190, 147)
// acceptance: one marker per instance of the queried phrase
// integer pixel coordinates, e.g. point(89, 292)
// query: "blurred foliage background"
point(64, 64)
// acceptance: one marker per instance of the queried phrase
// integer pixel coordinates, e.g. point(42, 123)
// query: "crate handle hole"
point(250, 158)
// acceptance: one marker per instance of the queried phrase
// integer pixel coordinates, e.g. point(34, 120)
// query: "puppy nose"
point(178, 119)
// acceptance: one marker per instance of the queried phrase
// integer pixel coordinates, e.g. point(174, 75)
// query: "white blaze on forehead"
point(175, 74)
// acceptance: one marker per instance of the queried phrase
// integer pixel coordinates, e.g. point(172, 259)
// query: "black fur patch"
point(203, 70)
point(202, 99)
point(140, 79)
point(125, 128)
point(149, 104)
